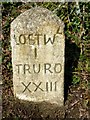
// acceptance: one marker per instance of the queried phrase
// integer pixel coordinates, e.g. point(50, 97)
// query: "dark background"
point(76, 18)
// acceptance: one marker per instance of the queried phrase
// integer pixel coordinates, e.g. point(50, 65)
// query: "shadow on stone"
point(72, 53)
point(42, 110)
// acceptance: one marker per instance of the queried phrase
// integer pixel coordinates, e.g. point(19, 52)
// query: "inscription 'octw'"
point(34, 40)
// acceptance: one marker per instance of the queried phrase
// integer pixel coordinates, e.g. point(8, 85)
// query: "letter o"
point(22, 39)
point(56, 67)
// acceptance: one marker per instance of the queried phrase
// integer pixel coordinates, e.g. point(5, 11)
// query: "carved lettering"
point(47, 67)
point(19, 68)
point(47, 86)
point(35, 52)
point(38, 38)
point(22, 39)
point(31, 39)
point(50, 86)
point(46, 40)
point(36, 68)
point(38, 86)
point(58, 31)
point(57, 68)
point(56, 86)
point(26, 87)
point(26, 68)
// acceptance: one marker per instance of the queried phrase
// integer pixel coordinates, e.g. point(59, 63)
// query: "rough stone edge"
point(43, 9)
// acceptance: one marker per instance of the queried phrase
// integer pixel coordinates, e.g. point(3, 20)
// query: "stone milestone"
point(37, 41)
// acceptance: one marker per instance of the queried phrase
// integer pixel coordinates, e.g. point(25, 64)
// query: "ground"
point(77, 94)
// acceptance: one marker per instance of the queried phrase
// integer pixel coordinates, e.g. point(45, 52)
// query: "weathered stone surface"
point(37, 41)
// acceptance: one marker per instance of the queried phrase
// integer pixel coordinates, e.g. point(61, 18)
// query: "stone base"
point(41, 110)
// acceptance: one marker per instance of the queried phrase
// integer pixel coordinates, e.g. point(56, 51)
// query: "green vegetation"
point(76, 18)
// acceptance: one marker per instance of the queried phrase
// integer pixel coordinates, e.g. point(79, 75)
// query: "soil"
point(77, 97)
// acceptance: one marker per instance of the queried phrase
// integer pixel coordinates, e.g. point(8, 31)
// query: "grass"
point(77, 56)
